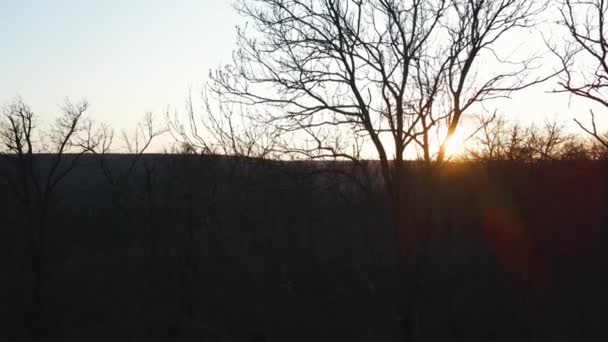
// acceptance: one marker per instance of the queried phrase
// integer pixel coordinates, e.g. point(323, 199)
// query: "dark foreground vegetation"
point(195, 248)
point(268, 224)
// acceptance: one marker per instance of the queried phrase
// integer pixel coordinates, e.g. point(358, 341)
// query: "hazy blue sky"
point(125, 56)
point(131, 56)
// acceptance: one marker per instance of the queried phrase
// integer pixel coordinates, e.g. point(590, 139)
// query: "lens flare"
point(456, 145)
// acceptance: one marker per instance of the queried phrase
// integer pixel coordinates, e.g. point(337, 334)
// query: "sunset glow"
point(456, 145)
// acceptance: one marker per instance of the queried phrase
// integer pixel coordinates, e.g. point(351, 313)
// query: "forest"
point(343, 178)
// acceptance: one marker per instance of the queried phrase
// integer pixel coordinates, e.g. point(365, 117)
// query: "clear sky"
point(131, 56)
point(125, 56)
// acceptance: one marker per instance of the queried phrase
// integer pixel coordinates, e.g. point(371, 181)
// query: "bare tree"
point(136, 144)
point(36, 177)
point(479, 26)
point(387, 71)
point(221, 128)
point(546, 142)
point(575, 149)
point(500, 139)
point(488, 142)
point(593, 131)
point(585, 57)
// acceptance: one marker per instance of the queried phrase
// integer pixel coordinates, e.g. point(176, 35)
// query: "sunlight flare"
point(456, 145)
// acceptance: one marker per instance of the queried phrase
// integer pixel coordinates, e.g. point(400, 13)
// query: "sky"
point(126, 57)
point(129, 57)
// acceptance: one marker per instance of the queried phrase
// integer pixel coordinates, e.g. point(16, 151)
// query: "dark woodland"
point(220, 249)
point(312, 191)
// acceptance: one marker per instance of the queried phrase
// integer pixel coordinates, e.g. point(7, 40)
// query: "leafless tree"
point(576, 150)
point(479, 26)
point(388, 71)
point(585, 57)
point(136, 144)
point(220, 128)
point(122, 178)
point(593, 131)
point(489, 140)
point(35, 178)
point(501, 139)
point(545, 142)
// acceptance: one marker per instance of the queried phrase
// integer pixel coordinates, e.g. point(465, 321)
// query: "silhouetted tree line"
point(183, 246)
point(498, 139)
point(268, 220)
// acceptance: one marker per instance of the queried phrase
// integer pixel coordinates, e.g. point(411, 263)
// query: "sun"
point(456, 145)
